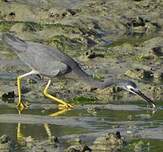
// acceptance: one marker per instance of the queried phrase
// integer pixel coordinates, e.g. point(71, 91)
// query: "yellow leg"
point(62, 104)
point(20, 104)
point(59, 112)
point(46, 126)
point(20, 137)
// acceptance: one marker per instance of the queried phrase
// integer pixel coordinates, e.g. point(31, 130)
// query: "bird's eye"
point(132, 89)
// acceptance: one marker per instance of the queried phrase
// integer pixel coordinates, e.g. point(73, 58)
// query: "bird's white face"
point(131, 89)
point(129, 86)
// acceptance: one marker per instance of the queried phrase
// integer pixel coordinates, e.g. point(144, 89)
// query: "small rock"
point(139, 146)
point(158, 76)
point(139, 74)
point(72, 11)
point(8, 97)
point(157, 51)
point(140, 25)
point(90, 54)
point(29, 141)
point(109, 143)
point(6, 144)
point(78, 148)
point(92, 111)
point(54, 140)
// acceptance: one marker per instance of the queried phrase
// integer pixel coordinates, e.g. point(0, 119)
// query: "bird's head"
point(130, 86)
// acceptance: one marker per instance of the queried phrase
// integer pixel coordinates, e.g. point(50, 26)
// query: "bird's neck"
point(90, 81)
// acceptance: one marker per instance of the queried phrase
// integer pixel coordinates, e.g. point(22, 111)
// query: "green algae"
point(84, 100)
point(137, 146)
point(66, 44)
point(5, 26)
point(32, 27)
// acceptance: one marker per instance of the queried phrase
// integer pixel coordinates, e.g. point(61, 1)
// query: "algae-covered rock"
point(5, 26)
point(108, 143)
point(158, 51)
point(64, 43)
point(140, 25)
point(140, 74)
point(6, 144)
point(157, 92)
point(78, 148)
point(50, 145)
point(9, 97)
point(138, 146)
point(158, 76)
point(90, 54)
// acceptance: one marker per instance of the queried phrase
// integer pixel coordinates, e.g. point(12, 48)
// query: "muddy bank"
point(107, 142)
point(109, 38)
point(92, 142)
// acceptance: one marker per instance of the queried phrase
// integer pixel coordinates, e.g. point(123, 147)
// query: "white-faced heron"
point(49, 61)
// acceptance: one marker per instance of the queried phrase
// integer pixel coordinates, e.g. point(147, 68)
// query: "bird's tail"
point(14, 42)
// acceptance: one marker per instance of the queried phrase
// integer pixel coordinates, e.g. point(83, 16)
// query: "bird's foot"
point(65, 106)
point(21, 106)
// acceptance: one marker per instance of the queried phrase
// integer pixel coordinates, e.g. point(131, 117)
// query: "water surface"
point(133, 121)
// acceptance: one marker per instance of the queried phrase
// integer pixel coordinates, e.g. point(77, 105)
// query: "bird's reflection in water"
point(21, 139)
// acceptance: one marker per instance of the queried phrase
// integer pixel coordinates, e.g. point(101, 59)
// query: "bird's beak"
point(142, 95)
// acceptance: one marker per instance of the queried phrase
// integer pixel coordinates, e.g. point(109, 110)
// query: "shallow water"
point(133, 121)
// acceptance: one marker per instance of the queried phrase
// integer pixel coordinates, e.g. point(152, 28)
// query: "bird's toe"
point(65, 106)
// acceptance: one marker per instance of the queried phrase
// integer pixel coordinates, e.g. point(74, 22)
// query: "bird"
point(51, 62)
